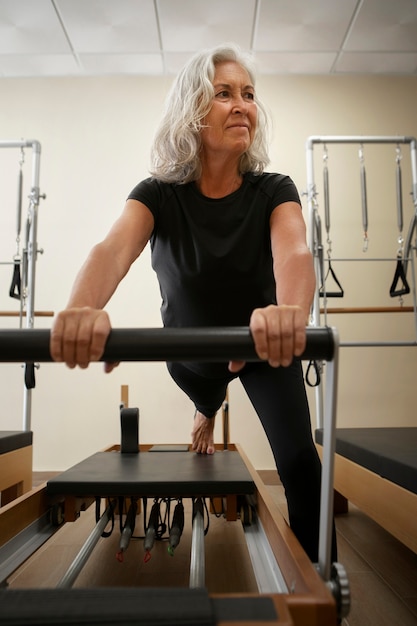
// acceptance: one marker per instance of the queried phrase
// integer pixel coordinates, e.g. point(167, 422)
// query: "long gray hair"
point(176, 147)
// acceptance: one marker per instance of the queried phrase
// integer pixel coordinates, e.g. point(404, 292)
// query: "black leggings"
point(279, 398)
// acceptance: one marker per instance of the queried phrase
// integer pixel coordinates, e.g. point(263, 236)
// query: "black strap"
point(331, 294)
point(399, 279)
point(15, 287)
point(30, 381)
point(105, 533)
point(313, 365)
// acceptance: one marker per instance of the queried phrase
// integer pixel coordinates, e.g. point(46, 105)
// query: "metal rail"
point(197, 564)
point(84, 554)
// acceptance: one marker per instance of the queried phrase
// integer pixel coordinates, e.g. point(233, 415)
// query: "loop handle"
point(399, 285)
point(15, 287)
point(331, 294)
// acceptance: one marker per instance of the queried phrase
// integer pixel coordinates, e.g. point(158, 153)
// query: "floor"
point(382, 572)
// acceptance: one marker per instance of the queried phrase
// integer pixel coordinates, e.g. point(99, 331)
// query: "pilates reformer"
point(296, 591)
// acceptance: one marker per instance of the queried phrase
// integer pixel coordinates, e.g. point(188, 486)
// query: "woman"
point(229, 248)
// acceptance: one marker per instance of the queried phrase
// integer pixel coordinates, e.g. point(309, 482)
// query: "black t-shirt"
point(213, 256)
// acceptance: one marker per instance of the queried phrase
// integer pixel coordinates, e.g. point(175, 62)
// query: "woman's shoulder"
point(269, 180)
point(274, 185)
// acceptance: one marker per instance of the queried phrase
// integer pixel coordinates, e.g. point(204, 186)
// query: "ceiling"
point(155, 37)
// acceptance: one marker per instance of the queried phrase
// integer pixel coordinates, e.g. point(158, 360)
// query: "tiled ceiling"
point(155, 37)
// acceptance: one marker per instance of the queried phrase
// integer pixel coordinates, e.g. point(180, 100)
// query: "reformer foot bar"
point(318, 595)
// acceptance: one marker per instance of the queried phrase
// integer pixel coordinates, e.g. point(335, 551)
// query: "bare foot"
point(202, 434)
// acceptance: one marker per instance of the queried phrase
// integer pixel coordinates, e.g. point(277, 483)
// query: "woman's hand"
point(279, 334)
point(79, 335)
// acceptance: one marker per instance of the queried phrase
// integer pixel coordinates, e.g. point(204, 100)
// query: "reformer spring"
point(324, 293)
point(364, 199)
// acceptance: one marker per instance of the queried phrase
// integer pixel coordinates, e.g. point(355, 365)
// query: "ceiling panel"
point(30, 27)
point(385, 26)
point(377, 63)
point(116, 64)
point(295, 62)
point(108, 26)
point(193, 24)
point(303, 25)
point(156, 37)
point(24, 65)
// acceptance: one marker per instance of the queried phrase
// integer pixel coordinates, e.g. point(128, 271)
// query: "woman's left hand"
point(279, 334)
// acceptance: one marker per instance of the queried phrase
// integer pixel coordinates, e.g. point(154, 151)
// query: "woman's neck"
point(218, 182)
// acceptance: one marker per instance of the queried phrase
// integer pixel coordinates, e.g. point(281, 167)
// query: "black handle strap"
point(30, 381)
point(314, 367)
point(399, 285)
point(15, 287)
point(331, 294)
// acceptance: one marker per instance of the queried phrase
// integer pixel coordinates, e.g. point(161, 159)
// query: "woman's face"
point(230, 125)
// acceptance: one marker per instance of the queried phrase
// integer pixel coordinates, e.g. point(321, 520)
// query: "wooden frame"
point(391, 506)
point(15, 473)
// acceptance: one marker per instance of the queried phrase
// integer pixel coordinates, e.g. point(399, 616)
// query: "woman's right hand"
point(79, 336)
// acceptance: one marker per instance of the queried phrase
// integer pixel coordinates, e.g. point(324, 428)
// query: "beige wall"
point(95, 136)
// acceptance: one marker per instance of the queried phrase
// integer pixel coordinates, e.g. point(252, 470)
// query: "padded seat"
point(14, 439)
point(389, 452)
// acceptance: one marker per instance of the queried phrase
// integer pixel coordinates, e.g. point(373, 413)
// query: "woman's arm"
point(79, 333)
point(279, 330)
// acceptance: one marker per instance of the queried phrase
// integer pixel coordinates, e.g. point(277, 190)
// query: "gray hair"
point(176, 147)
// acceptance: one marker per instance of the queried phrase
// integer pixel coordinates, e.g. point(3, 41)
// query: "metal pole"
point(313, 243)
point(82, 557)
point(32, 253)
point(329, 447)
point(197, 565)
point(359, 139)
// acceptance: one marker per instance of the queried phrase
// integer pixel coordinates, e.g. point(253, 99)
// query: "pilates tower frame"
point(31, 251)
point(410, 243)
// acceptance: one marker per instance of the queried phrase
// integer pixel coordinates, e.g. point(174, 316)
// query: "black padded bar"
point(162, 344)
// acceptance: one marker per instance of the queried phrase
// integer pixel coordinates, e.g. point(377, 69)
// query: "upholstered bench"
point(376, 469)
point(15, 464)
